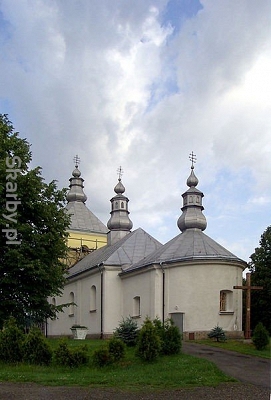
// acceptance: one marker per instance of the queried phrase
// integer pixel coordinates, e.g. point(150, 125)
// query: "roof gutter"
point(101, 299)
point(163, 292)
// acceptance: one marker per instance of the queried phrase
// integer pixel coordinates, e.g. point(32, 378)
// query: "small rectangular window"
point(136, 306)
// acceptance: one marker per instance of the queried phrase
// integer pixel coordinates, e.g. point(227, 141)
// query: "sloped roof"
point(127, 251)
point(82, 219)
point(192, 244)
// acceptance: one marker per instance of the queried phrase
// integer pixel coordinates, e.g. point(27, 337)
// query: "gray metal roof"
point(82, 219)
point(133, 247)
point(192, 244)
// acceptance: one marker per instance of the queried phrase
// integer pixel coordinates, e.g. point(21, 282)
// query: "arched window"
point(226, 301)
point(136, 306)
point(71, 307)
point(53, 301)
point(93, 298)
point(122, 204)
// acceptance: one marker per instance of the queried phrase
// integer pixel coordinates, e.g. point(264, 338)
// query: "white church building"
point(189, 279)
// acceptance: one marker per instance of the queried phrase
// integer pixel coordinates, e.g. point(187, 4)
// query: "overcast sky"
point(142, 84)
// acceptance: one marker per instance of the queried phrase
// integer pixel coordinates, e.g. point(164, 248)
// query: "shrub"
point(35, 348)
point(127, 331)
point(102, 357)
point(79, 356)
point(62, 353)
point(149, 343)
point(260, 337)
point(171, 338)
point(11, 340)
point(70, 358)
point(116, 349)
point(217, 333)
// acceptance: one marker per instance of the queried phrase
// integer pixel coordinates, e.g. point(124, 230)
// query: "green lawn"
point(240, 346)
point(169, 372)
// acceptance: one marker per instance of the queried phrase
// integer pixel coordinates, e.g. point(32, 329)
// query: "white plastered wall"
point(148, 286)
point(194, 289)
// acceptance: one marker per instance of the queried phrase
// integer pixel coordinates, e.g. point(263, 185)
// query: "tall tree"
point(260, 268)
point(33, 233)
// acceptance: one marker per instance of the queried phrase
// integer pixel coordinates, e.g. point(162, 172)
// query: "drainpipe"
point(102, 280)
point(163, 293)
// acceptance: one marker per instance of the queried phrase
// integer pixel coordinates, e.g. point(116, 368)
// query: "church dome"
point(76, 192)
point(119, 223)
point(192, 216)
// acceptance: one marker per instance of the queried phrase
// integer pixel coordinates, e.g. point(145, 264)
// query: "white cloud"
point(106, 81)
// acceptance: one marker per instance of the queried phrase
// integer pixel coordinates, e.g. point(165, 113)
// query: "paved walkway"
point(245, 368)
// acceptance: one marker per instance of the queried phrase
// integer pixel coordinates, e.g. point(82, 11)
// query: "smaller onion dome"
point(192, 180)
point(119, 188)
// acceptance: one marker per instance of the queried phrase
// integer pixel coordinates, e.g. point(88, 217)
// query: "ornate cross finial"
point(120, 172)
point(193, 159)
point(76, 160)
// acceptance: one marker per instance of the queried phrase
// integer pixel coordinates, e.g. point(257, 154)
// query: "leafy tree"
point(260, 268)
point(33, 233)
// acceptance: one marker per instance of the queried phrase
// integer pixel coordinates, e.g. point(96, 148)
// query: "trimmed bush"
point(36, 349)
point(116, 349)
point(127, 331)
point(102, 357)
point(218, 334)
point(70, 358)
point(149, 342)
point(11, 340)
point(79, 356)
point(260, 337)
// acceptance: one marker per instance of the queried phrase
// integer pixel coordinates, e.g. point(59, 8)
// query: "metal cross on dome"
point(120, 172)
point(193, 159)
point(76, 160)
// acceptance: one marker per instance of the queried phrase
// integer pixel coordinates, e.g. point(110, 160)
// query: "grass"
point(240, 346)
point(169, 372)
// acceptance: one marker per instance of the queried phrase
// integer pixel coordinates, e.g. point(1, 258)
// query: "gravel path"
point(29, 391)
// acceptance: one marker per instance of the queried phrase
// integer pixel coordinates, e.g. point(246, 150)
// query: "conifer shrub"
point(217, 333)
point(260, 337)
point(70, 357)
point(127, 331)
point(36, 349)
point(171, 338)
point(11, 340)
point(149, 342)
point(102, 357)
point(116, 349)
